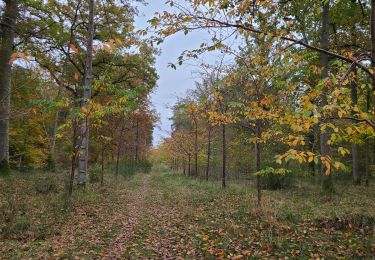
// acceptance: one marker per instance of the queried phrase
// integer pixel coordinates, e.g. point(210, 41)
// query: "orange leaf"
point(13, 58)
point(73, 48)
point(76, 76)
point(85, 110)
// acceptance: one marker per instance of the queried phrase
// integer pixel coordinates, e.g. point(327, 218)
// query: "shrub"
point(45, 185)
point(94, 173)
point(144, 166)
point(275, 179)
point(50, 163)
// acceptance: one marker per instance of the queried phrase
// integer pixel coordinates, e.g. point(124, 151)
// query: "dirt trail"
point(129, 222)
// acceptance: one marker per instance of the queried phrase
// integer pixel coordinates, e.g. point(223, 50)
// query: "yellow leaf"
point(85, 110)
point(340, 114)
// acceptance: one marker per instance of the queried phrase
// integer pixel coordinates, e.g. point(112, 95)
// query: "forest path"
point(130, 221)
point(163, 215)
point(182, 218)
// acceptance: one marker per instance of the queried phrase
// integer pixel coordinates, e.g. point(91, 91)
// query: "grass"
point(37, 215)
point(183, 217)
point(298, 222)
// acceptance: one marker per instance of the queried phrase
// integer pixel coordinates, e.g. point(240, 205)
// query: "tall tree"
point(7, 35)
point(87, 79)
point(324, 135)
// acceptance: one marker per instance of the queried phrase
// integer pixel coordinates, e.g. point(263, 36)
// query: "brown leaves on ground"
point(165, 216)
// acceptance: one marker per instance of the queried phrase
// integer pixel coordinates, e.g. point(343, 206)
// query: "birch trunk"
point(84, 149)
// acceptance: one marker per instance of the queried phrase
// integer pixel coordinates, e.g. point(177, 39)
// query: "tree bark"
point(258, 167)
point(324, 136)
point(87, 80)
point(8, 23)
point(373, 39)
point(258, 133)
point(355, 146)
point(372, 31)
point(117, 160)
point(368, 146)
point(184, 166)
point(311, 138)
point(189, 167)
point(72, 170)
point(137, 140)
point(224, 142)
point(102, 170)
point(208, 152)
point(73, 157)
point(196, 149)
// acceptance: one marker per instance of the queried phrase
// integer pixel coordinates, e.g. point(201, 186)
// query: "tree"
point(87, 78)
point(7, 33)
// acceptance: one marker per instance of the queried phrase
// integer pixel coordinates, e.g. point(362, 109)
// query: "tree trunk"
point(102, 170)
point(8, 23)
point(311, 138)
point(368, 146)
point(258, 167)
point(72, 170)
point(184, 167)
point(223, 178)
point(372, 31)
point(117, 160)
point(367, 165)
point(73, 157)
point(196, 149)
point(83, 157)
point(373, 40)
point(355, 147)
point(137, 140)
point(324, 136)
point(208, 152)
point(258, 133)
point(189, 167)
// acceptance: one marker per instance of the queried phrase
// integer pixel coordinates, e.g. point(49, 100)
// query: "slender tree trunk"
point(184, 167)
point(54, 131)
point(72, 170)
point(117, 160)
point(189, 168)
point(224, 141)
point(355, 147)
point(368, 145)
point(196, 149)
point(8, 23)
point(73, 157)
point(324, 136)
point(373, 40)
point(311, 138)
point(372, 31)
point(102, 170)
point(137, 140)
point(258, 167)
point(367, 165)
point(87, 80)
point(258, 163)
point(208, 152)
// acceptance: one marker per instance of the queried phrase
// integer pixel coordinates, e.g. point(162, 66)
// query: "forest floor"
point(167, 216)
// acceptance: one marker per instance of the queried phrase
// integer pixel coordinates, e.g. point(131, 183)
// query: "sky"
point(172, 83)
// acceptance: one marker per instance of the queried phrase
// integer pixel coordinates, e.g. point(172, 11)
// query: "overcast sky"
point(172, 83)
